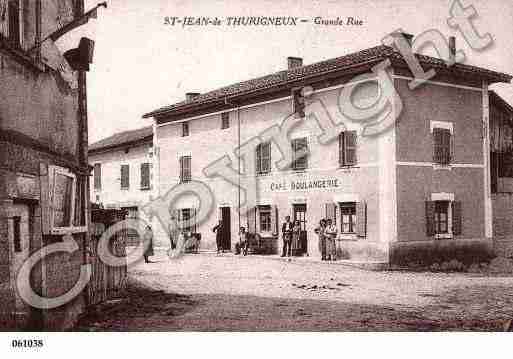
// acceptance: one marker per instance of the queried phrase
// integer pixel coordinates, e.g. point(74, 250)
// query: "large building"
point(44, 171)
point(420, 190)
point(123, 171)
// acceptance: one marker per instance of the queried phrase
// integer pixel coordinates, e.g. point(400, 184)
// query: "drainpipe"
point(238, 161)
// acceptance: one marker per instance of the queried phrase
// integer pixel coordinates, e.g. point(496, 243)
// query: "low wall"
point(438, 251)
point(363, 251)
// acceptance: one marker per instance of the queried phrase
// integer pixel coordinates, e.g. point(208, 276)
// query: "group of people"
point(327, 233)
point(291, 237)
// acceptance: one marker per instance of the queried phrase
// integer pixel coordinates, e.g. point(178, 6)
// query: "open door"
point(226, 225)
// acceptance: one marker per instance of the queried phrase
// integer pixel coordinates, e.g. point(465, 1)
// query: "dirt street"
point(206, 292)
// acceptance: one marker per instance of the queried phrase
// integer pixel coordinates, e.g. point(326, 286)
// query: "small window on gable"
point(347, 148)
point(298, 102)
point(225, 120)
point(300, 154)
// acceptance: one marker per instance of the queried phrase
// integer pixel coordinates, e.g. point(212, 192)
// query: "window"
point(442, 146)
point(185, 129)
point(98, 176)
point(263, 158)
point(16, 222)
point(225, 120)
point(14, 23)
point(441, 217)
point(186, 219)
point(347, 148)
point(348, 217)
point(125, 176)
point(298, 102)
point(64, 206)
point(300, 154)
point(145, 176)
point(185, 168)
point(264, 216)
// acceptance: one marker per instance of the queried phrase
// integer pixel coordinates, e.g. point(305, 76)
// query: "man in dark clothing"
point(286, 231)
point(218, 230)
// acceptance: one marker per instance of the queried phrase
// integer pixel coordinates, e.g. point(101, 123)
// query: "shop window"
point(145, 176)
point(300, 154)
point(125, 177)
point(185, 168)
point(97, 176)
point(187, 219)
point(442, 139)
point(348, 217)
point(225, 120)
point(185, 129)
point(17, 233)
point(263, 158)
point(347, 148)
point(264, 215)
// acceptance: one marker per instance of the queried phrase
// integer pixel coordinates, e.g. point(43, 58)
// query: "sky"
point(141, 64)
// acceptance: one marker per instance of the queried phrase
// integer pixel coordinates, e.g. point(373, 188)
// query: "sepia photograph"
point(173, 166)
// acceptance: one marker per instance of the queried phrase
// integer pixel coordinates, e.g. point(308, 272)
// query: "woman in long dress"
point(322, 238)
point(296, 245)
point(148, 244)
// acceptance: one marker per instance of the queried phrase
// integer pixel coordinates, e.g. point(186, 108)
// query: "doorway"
point(226, 243)
point(299, 211)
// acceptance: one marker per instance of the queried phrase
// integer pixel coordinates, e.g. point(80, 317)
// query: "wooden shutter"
point(14, 24)
point(125, 176)
point(298, 102)
point(437, 145)
point(442, 146)
point(361, 219)
point(341, 150)
point(251, 218)
point(350, 150)
point(193, 214)
point(430, 218)
point(145, 175)
point(267, 157)
point(97, 176)
point(274, 220)
point(456, 218)
point(331, 212)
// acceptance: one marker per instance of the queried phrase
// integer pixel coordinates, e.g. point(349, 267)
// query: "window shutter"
point(456, 218)
point(251, 217)
point(98, 176)
point(361, 219)
point(331, 212)
point(437, 145)
point(194, 220)
point(259, 158)
point(350, 142)
point(430, 218)
point(145, 175)
point(341, 160)
point(274, 220)
point(125, 176)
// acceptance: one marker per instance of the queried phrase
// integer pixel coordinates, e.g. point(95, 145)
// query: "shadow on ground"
point(463, 309)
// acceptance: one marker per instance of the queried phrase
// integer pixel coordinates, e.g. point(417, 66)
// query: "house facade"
point(123, 171)
point(43, 165)
point(417, 191)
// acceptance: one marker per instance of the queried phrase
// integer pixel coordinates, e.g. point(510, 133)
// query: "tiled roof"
point(496, 99)
point(123, 138)
point(371, 55)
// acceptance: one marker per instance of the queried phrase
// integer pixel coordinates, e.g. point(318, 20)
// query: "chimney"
point(452, 47)
point(189, 96)
point(293, 62)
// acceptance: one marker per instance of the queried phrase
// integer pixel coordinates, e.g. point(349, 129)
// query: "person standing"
point(286, 231)
point(218, 230)
point(331, 237)
point(296, 244)
point(148, 244)
point(322, 238)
